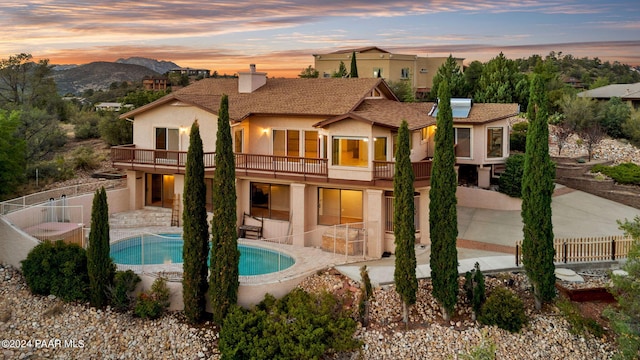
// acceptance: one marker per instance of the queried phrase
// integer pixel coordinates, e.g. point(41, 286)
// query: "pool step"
point(149, 216)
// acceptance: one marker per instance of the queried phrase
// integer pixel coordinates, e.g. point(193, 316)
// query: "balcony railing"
point(129, 156)
point(384, 170)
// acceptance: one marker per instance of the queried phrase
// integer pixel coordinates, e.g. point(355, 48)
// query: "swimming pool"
point(167, 249)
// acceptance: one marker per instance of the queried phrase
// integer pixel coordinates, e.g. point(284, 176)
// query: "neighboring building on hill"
point(155, 83)
point(627, 92)
point(310, 153)
point(373, 62)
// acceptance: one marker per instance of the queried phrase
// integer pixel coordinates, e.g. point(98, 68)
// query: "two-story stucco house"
point(310, 153)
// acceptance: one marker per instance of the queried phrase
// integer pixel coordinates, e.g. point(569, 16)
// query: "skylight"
point(459, 107)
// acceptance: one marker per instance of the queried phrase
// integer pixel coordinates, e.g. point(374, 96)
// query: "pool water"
point(167, 249)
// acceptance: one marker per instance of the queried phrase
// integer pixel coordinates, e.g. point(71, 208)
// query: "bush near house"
point(510, 182)
point(124, 283)
point(625, 173)
point(59, 269)
point(151, 305)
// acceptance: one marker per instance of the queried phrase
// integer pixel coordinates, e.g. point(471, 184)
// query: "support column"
point(297, 210)
point(374, 217)
point(135, 184)
point(484, 175)
point(425, 237)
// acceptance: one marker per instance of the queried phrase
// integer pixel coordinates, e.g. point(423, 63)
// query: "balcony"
point(132, 158)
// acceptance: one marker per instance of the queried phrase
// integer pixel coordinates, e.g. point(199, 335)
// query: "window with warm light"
point(270, 201)
point(350, 151)
point(380, 149)
point(337, 206)
point(494, 142)
point(286, 142)
point(238, 141)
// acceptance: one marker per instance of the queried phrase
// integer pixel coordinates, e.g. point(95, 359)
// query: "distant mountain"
point(98, 76)
point(160, 67)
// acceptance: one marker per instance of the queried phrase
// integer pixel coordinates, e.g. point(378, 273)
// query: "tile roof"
point(324, 97)
point(388, 113)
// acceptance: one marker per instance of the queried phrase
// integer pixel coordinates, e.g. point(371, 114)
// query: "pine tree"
point(195, 231)
point(443, 215)
point(537, 189)
point(354, 67)
point(223, 281)
point(404, 227)
point(100, 266)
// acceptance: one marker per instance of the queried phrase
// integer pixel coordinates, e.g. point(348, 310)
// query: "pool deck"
point(307, 259)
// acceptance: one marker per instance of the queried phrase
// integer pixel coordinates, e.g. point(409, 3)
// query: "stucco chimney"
point(249, 82)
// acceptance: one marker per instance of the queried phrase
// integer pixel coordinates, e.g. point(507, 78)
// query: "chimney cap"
point(252, 68)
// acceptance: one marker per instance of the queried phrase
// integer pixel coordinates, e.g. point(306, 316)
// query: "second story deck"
point(317, 169)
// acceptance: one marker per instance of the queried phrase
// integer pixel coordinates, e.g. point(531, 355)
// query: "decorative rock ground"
point(106, 334)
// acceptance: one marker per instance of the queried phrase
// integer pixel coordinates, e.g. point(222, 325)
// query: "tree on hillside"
point(615, 113)
point(402, 90)
point(24, 82)
point(354, 67)
point(12, 154)
point(195, 233)
point(537, 189)
point(472, 75)
point(584, 115)
point(309, 73)
point(451, 73)
point(100, 266)
point(501, 82)
point(561, 130)
point(342, 71)
point(223, 281)
point(443, 215)
point(404, 228)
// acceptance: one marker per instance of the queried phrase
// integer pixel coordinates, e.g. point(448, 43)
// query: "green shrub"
point(116, 131)
point(474, 288)
point(57, 268)
point(579, 324)
point(503, 309)
point(298, 326)
point(510, 181)
point(625, 173)
point(151, 305)
point(84, 158)
point(124, 284)
point(518, 137)
point(85, 125)
point(486, 350)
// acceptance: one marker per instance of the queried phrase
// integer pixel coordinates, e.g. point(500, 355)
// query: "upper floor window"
point(238, 141)
point(350, 151)
point(404, 73)
point(494, 142)
point(167, 139)
point(380, 149)
point(286, 142)
point(462, 139)
point(377, 72)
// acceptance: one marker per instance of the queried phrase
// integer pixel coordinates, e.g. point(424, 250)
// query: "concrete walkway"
point(489, 236)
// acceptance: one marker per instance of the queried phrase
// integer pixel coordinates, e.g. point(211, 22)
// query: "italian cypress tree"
point(195, 231)
point(223, 281)
point(404, 229)
point(443, 215)
point(537, 189)
point(100, 266)
point(354, 67)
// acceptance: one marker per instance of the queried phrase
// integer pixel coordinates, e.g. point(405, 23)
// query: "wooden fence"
point(604, 248)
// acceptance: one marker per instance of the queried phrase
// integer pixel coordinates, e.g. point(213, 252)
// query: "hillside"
point(98, 76)
point(159, 66)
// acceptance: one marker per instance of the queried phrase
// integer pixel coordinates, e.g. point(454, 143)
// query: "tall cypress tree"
point(195, 231)
point(537, 189)
point(223, 281)
point(443, 215)
point(100, 266)
point(354, 67)
point(403, 227)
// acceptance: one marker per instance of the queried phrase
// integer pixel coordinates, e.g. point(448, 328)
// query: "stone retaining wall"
point(572, 174)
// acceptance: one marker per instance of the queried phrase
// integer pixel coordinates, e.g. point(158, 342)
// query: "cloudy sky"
point(280, 36)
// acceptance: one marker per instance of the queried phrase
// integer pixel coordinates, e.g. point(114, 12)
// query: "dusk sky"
point(280, 36)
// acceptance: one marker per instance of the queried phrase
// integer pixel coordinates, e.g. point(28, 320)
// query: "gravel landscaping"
point(64, 330)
